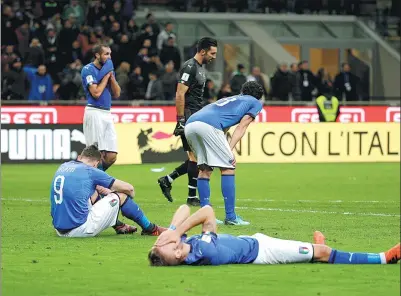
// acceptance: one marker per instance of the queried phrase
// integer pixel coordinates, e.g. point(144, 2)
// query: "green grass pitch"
point(357, 207)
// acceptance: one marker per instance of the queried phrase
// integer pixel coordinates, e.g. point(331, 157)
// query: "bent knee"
point(191, 156)
point(110, 157)
point(122, 197)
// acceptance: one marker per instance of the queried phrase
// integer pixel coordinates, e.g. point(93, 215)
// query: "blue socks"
point(100, 166)
point(204, 191)
point(339, 257)
point(228, 191)
point(132, 211)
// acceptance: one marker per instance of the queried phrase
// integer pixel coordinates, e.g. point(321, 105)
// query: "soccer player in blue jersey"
point(209, 248)
point(205, 132)
point(100, 86)
point(76, 208)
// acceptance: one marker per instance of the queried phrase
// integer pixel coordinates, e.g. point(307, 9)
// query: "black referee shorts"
point(185, 145)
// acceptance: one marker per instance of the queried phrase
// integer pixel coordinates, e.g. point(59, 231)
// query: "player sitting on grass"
point(174, 248)
point(76, 208)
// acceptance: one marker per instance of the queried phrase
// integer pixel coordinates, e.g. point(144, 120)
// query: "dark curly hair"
point(252, 88)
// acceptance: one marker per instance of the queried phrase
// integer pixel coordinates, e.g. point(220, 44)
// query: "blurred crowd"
point(295, 82)
point(46, 43)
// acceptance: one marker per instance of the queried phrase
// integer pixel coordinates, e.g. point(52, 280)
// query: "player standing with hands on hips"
point(189, 99)
point(100, 86)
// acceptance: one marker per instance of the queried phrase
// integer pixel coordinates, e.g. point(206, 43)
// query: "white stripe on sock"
point(383, 258)
point(191, 187)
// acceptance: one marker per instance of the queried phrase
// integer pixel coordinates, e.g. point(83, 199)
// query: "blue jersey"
point(212, 249)
point(72, 186)
point(227, 112)
point(90, 75)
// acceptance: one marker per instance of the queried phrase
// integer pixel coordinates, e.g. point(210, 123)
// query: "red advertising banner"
point(74, 114)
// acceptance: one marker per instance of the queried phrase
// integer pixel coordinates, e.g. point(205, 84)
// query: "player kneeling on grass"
point(76, 207)
point(174, 248)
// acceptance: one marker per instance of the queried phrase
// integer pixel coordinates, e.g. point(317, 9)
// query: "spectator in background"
point(127, 11)
point(346, 84)
point(132, 29)
point(115, 32)
point(294, 84)
point(147, 33)
point(256, 75)
point(74, 8)
point(41, 84)
point(136, 84)
point(15, 84)
point(238, 79)
point(70, 81)
point(280, 83)
point(306, 80)
point(123, 80)
point(23, 34)
point(35, 55)
point(225, 91)
point(123, 52)
point(171, 53)
point(150, 20)
point(154, 90)
point(165, 35)
point(50, 8)
point(96, 13)
point(8, 25)
point(169, 80)
point(52, 55)
point(209, 93)
point(324, 83)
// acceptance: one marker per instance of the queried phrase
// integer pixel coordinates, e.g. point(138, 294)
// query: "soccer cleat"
point(238, 221)
point(193, 201)
point(165, 186)
point(319, 238)
point(125, 229)
point(393, 255)
point(156, 231)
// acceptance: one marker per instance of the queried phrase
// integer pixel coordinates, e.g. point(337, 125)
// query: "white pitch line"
point(316, 201)
point(252, 209)
point(316, 212)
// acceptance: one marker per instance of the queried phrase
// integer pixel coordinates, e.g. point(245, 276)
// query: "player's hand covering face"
point(168, 237)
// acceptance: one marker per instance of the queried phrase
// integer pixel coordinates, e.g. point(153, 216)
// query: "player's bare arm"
point(204, 216)
point(240, 130)
point(180, 98)
point(115, 88)
point(124, 187)
point(96, 90)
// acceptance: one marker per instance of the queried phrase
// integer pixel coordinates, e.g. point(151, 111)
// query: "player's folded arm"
point(124, 187)
point(209, 225)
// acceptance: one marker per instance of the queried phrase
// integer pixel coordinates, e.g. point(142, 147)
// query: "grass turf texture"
point(37, 262)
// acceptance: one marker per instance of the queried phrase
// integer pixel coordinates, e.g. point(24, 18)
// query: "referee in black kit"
point(189, 99)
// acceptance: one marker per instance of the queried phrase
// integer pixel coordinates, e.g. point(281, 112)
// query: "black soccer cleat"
point(195, 202)
point(165, 186)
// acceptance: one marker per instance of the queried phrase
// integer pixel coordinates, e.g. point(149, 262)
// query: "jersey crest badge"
point(113, 202)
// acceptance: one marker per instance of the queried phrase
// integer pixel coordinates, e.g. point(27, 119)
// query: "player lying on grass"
point(76, 207)
point(204, 131)
point(174, 248)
